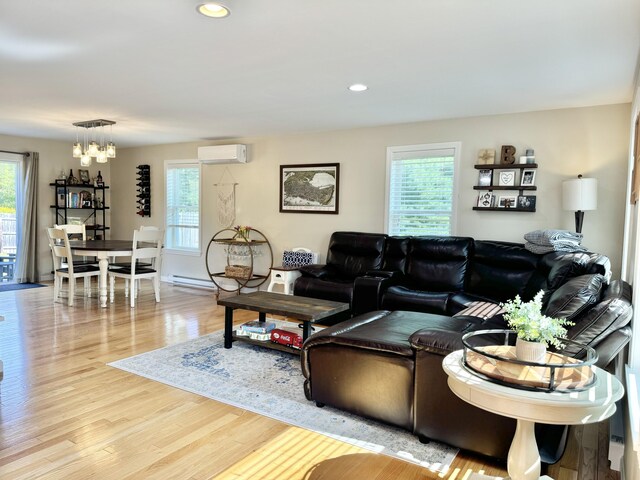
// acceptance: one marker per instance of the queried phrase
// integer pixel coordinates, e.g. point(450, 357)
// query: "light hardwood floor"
point(65, 414)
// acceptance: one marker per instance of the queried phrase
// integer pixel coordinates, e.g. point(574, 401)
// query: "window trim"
point(456, 146)
point(195, 163)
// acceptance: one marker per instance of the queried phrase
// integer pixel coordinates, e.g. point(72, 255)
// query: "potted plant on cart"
point(535, 330)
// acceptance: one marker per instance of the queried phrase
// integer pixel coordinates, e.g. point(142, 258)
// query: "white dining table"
point(103, 250)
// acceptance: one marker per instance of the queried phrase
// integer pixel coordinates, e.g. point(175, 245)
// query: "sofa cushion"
point(336, 289)
point(572, 298)
point(438, 264)
point(613, 312)
point(353, 253)
point(403, 298)
point(501, 270)
point(395, 254)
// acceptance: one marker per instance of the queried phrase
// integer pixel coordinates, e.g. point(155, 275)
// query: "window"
point(421, 186)
point(182, 212)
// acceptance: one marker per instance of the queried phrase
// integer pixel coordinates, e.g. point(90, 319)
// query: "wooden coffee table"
point(305, 309)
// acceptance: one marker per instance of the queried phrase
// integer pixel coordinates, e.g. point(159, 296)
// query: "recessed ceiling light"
point(358, 87)
point(213, 10)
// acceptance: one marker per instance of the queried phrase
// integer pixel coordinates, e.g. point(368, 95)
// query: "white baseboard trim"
point(189, 282)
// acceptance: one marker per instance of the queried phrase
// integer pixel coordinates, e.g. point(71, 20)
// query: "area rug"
point(9, 287)
point(270, 382)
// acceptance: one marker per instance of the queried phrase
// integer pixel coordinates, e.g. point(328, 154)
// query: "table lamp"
point(580, 194)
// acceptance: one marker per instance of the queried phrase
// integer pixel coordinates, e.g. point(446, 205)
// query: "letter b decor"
point(507, 155)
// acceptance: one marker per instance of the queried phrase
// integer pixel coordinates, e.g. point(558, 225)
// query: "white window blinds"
point(182, 207)
point(421, 189)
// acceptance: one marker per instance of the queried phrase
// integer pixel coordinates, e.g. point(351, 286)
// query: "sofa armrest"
point(383, 273)
point(368, 290)
point(316, 271)
point(610, 347)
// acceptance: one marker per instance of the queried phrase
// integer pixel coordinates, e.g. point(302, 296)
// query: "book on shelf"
point(257, 326)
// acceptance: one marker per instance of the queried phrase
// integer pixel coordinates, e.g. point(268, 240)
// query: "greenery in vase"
point(530, 324)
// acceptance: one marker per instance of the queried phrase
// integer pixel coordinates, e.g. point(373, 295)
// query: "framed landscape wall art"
point(310, 188)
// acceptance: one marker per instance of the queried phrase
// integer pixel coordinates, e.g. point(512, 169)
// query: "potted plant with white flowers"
point(535, 331)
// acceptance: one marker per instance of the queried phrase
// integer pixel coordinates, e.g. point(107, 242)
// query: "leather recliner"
point(350, 255)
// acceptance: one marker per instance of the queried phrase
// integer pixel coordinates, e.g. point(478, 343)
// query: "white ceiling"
point(166, 74)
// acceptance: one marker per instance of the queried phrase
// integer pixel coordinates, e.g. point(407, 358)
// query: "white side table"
point(528, 407)
point(284, 276)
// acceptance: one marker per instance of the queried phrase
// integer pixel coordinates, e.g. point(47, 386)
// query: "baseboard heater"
point(192, 282)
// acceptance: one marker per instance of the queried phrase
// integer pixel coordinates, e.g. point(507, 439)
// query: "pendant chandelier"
point(94, 145)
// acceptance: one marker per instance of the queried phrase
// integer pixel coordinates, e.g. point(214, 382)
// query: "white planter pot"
point(530, 351)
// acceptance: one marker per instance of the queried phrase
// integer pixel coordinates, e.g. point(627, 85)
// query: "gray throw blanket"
point(552, 237)
point(547, 241)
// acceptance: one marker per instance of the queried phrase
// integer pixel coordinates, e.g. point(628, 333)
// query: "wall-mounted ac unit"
point(223, 154)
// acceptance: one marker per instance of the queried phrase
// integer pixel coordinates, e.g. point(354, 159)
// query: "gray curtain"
point(27, 261)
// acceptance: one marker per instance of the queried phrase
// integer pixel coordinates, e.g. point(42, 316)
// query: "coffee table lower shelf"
point(265, 344)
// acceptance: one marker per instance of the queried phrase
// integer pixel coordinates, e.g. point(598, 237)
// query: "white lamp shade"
point(580, 194)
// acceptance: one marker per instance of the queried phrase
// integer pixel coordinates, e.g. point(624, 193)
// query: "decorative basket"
point(237, 271)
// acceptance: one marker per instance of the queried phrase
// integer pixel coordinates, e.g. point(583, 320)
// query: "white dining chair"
point(61, 250)
point(77, 232)
point(147, 246)
point(114, 264)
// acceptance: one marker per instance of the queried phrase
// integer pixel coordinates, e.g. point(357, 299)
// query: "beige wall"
point(592, 141)
point(54, 157)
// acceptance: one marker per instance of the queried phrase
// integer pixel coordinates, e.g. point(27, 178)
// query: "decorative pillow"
point(293, 258)
point(482, 310)
point(575, 296)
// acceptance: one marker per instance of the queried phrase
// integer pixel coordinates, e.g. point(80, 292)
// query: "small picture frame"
point(484, 178)
point(61, 197)
point(507, 201)
point(486, 200)
point(84, 176)
point(528, 177)
point(527, 202)
point(507, 178)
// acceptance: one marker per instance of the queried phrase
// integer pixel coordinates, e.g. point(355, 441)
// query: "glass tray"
point(490, 355)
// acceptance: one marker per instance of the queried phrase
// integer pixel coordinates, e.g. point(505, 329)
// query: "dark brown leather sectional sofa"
point(408, 293)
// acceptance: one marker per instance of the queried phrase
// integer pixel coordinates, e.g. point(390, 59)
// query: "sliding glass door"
point(9, 195)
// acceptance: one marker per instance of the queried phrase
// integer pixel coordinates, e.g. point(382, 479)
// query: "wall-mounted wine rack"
point(143, 204)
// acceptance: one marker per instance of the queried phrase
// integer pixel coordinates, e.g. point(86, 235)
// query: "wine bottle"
point(99, 177)
point(143, 195)
point(71, 180)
